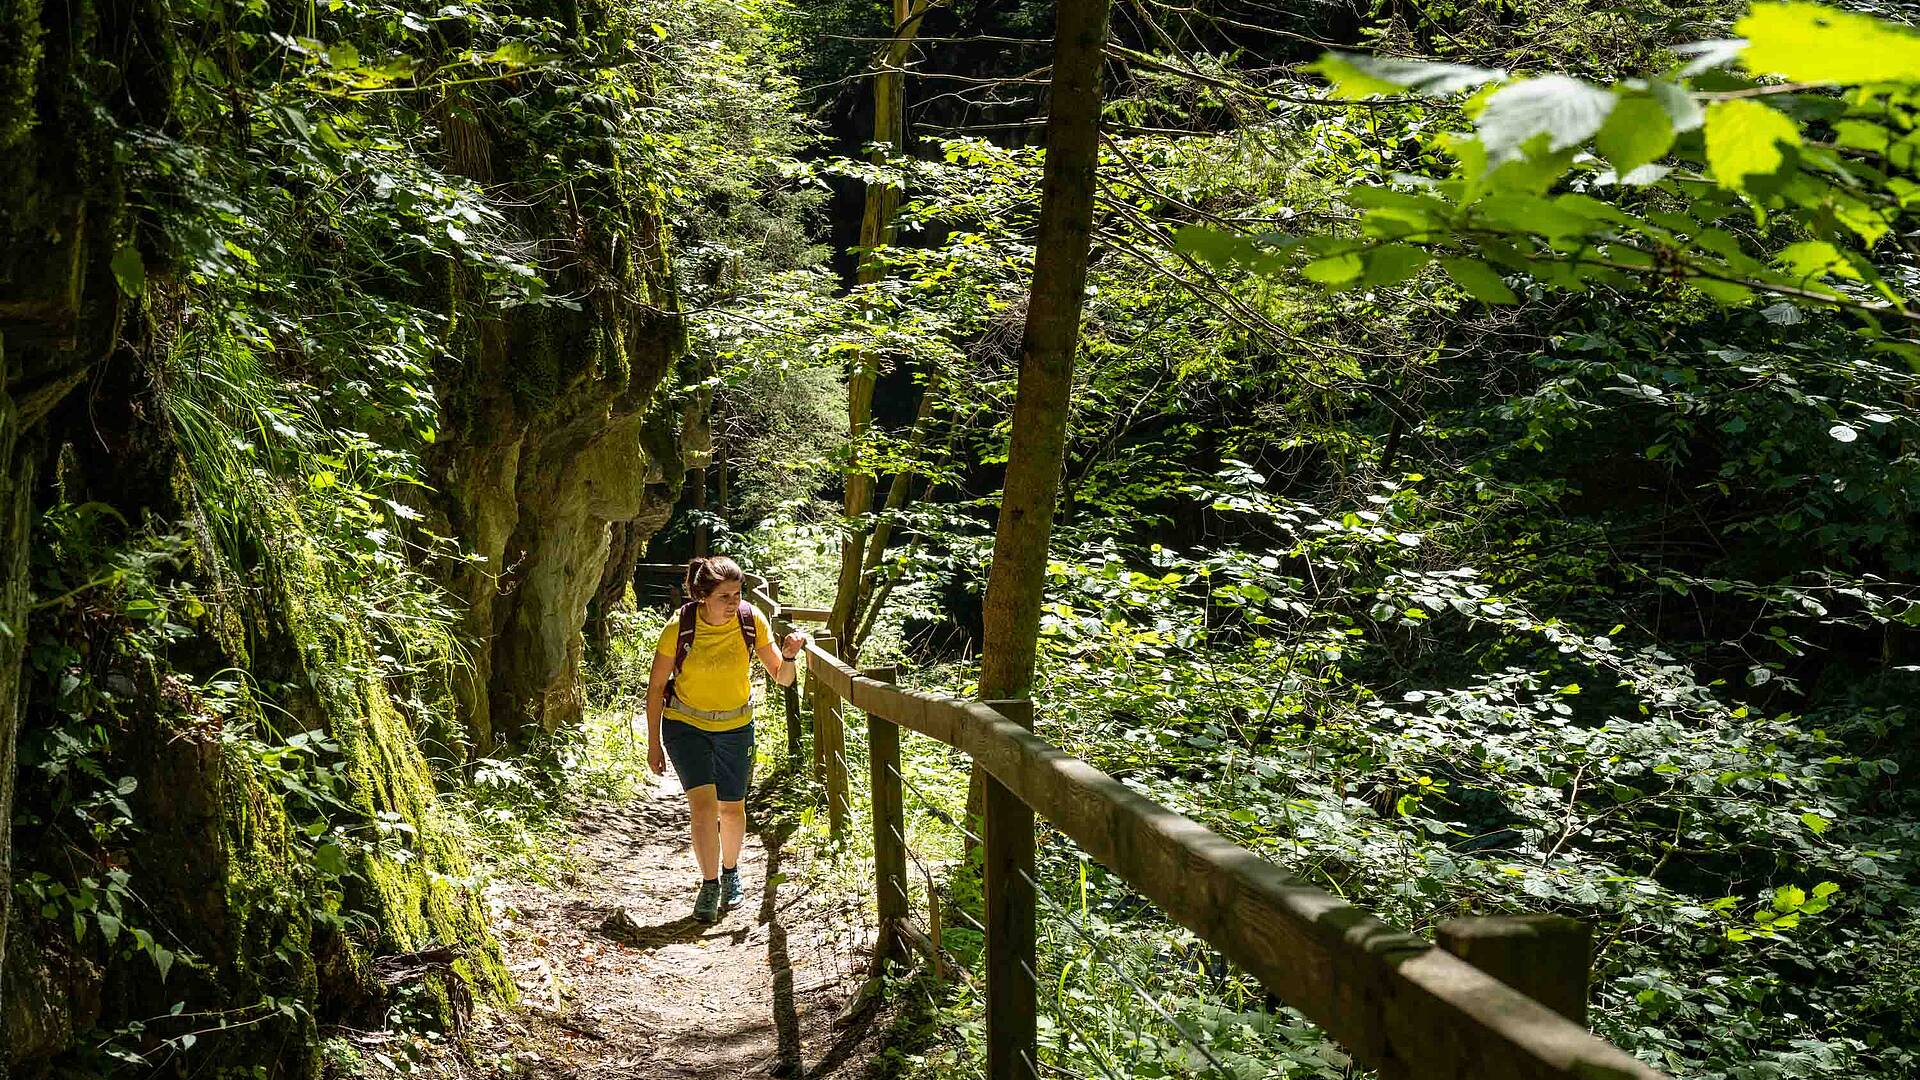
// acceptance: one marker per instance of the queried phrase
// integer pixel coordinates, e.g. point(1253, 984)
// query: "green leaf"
point(1682, 110)
point(109, 925)
point(1390, 264)
point(1815, 43)
point(1335, 271)
point(514, 54)
point(1563, 109)
point(129, 271)
point(330, 859)
point(1393, 214)
point(1724, 293)
point(1480, 281)
point(1746, 139)
point(1227, 250)
point(1819, 825)
point(343, 56)
point(297, 121)
point(1355, 76)
point(1408, 203)
point(1862, 218)
point(1861, 135)
point(1638, 131)
point(1532, 214)
point(1814, 258)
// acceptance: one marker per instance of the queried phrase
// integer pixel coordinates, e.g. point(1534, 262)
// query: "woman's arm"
point(656, 707)
point(779, 662)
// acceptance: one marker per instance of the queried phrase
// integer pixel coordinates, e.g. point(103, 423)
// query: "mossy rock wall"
point(225, 853)
point(62, 210)
point(555, 443)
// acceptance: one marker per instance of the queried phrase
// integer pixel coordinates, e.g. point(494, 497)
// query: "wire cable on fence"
point(960, 911)
point(938, 814)
point(1061, 1013)
point(1059, 1010)
point(1153, 1003)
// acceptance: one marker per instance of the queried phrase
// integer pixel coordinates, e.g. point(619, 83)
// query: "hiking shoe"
point(706, 906)
point(730, 892)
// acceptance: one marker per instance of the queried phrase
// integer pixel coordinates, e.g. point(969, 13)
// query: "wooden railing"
point(1399, 1004)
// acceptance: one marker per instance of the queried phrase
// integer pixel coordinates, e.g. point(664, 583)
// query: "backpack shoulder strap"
point(683, 643)
point(749, 630)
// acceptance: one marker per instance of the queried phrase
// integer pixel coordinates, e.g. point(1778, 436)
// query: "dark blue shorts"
point(700, 757)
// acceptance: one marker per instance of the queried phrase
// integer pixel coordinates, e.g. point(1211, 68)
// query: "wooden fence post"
point(1008, 878)
point(1546, 957)
point(889, 822)
point(790, 693)
point(816, 707)
point(830, 751)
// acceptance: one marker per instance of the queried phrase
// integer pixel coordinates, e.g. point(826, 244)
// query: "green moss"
point(420, 888)
point(536, 374)
point(269, 912)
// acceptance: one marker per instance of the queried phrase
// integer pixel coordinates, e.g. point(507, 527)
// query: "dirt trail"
point(756, 994)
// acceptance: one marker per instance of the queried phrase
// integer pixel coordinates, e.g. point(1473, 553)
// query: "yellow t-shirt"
point(717, 675)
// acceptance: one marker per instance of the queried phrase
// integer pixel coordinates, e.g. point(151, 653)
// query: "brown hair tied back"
point(703, 574)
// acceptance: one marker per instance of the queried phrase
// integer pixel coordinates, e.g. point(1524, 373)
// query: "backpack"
point(689, 626)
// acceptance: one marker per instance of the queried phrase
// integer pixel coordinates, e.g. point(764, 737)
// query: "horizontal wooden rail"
point(1397, 1003)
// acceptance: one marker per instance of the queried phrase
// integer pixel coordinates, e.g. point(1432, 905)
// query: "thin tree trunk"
point(722, 489)
point(1038, 450)
point(17, 462)
point(869, 595)
point(701, 534)
point(1034, 460)
point(876, 232)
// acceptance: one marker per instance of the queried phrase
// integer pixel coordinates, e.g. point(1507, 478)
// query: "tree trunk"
point(17, 468)
point(876, 232)
point(1038, 450)
point(702, 535)
point(722, 488)
point(1034, 460)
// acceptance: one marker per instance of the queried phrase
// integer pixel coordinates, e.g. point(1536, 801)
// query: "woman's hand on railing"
point(794, 644)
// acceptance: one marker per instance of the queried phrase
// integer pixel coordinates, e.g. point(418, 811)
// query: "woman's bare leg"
point(733, 831)
point(707, 831)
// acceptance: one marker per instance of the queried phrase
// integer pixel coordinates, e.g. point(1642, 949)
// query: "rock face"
point(563, 456)
point(544, 461)
point(278, 840)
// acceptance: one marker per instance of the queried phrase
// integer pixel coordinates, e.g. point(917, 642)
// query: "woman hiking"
point(700, 713)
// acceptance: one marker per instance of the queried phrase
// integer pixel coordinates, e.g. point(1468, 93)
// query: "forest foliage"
point(1490, 485)
point(1492, 495)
